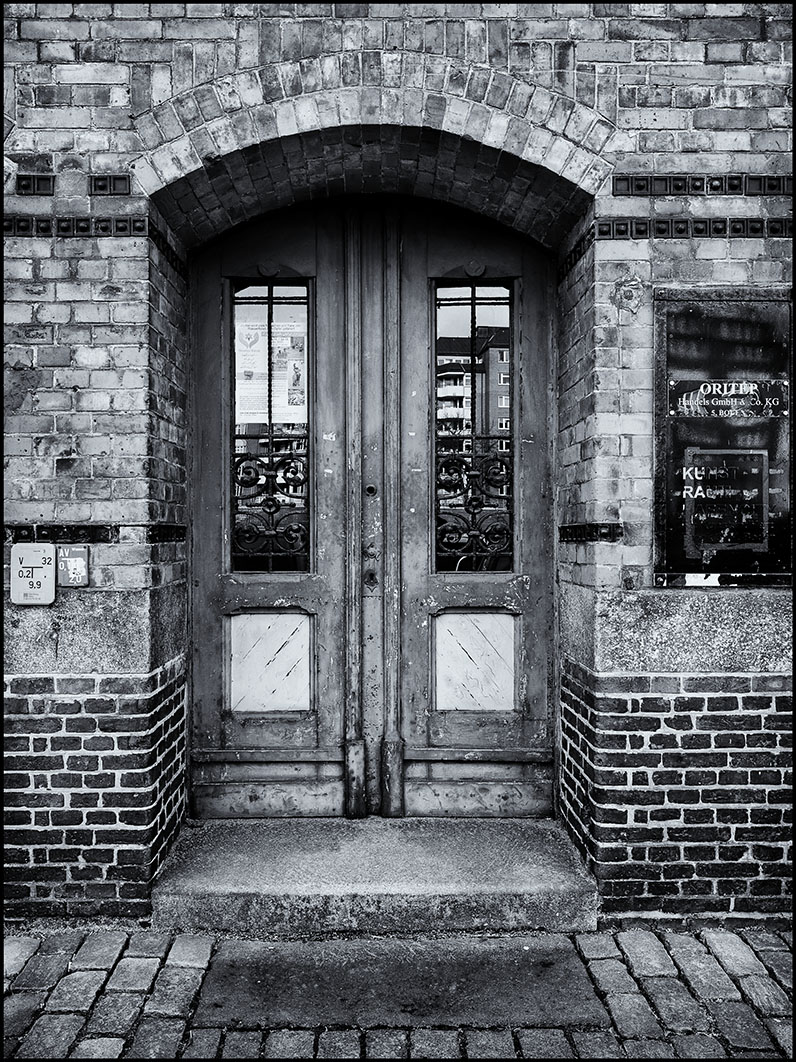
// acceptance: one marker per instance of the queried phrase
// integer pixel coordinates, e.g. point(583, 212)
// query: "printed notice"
point(33, 574)
point(725, 497)
point(288, 380)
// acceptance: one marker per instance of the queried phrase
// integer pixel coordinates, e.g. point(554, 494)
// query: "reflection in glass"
point(474, 437)
point(270, 517)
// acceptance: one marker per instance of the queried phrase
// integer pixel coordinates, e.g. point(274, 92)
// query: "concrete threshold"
point(308, 878)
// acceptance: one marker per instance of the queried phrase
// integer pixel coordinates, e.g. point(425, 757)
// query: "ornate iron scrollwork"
point(474, 508)
point(270, 519)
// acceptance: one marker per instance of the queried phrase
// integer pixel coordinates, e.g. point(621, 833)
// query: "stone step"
point(303, 878)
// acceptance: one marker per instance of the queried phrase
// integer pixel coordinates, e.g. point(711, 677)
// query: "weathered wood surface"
point(474, 662)
point(270, 662)
point(399, 655)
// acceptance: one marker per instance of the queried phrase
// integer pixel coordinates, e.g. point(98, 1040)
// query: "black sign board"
point(722, 457)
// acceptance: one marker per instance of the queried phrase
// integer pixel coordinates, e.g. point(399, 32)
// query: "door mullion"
point(392, 788)
point(354, 742)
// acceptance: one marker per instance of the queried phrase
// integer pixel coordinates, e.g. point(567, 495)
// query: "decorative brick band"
point(29, 225)
point(61, 533)
point(590, 532)
point(109, 184)
point(90, 532)
point(577, 252)
point(701, 184)
point(677, 228)
point(35, 184)
point(685, 227)
point(162, 244)
point(166, 533)
point(132, 225)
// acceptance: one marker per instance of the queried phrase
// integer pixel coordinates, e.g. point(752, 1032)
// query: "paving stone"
point(338, 1043)
point(157, 1038)
point(597, 946)
point(101, 1047)
point(596, 1045)
point(610, 975)
point(735, 956)
point(42, 971)
point(190, 950)
point(434, 1043)
point(765, 995)
point(782, 1031)
point(174, 991)
point(289, 1043)
point(62, 943)
point(544, 1043)
point(386, 1043)
point(763, 940)
point(148, 945)
point(77, 991)
point(99, 951)
point(702, 972)
point(787, 936)
point(16, 952)
point(780, 964)
point(633, 1016)
point(491, 1043)
point(736, 1022)
point(18, 1011)
point(648, 1049)
point(646, 955)
point(51, 1036)
point(400, 983)
point(115, 1014)
point(698, 1045)
point(133, 975)
point(676, 1007)
point(242, 1044)
point(203, 1043)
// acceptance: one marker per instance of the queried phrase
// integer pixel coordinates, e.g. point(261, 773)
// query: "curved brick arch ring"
point(201, 145)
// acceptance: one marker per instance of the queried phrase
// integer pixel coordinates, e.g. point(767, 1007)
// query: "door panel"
point(499, 621)
point(272, 733)
point(387, 678)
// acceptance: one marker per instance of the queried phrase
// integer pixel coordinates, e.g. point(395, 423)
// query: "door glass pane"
point(474, 437)
point(270, 463)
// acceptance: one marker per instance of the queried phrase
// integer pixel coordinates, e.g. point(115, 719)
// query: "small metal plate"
point(73, 565)
point(33, 573)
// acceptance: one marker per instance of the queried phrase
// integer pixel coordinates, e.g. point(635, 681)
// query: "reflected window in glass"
point(474, 434)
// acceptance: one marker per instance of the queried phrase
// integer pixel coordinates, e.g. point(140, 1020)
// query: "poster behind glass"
point(270, 463)
point(722, 476)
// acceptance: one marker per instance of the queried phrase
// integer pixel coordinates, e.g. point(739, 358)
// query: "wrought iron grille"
point(270, 460)
point(474, 436)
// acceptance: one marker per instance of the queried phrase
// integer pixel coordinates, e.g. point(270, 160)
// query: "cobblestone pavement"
point(104, 993)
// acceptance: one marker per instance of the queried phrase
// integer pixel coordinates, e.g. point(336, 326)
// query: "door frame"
point(392, 760)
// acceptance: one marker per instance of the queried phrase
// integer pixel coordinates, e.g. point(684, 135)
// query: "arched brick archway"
point(235, 147)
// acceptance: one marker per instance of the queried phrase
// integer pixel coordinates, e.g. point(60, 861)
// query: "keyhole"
point(371, 490)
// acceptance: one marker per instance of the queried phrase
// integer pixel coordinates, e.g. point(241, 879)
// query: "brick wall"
point(163, 126)
point(677, 788)
point(94, 788)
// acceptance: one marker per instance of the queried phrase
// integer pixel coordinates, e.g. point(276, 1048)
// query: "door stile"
point(354, 776)
point(392, 787)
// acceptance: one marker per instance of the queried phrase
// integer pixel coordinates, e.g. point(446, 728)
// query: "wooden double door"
point(371, 540)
